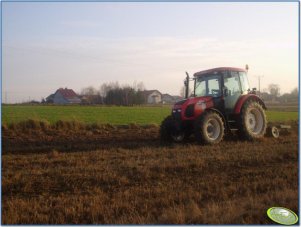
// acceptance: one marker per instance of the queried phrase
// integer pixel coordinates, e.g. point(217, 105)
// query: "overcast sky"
point(51, 45)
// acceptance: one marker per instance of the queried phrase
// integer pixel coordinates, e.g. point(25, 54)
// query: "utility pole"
point(259, 77)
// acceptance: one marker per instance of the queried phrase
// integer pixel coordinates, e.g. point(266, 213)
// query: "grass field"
point(101, 114)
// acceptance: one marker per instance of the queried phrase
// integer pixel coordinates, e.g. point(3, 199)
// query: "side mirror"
point(253, 91)
point(225, 92)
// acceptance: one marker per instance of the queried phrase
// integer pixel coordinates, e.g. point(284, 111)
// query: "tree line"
point(114, 94)
point(272, 94)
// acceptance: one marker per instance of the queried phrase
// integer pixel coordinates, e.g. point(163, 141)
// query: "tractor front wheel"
point(253, 123)
point(209, 128)
point(170, 133)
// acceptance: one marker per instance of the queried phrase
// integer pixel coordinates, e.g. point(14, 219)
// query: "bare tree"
point(182, 91)
point(274, 90)
point(295, 92)
point(89, 91)
point(140, 86)
point(106, 87)
point(91, 96)
point(114, 94)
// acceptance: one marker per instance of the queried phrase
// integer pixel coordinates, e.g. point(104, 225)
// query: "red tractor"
point(221, 102)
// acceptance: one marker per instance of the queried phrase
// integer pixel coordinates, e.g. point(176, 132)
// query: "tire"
point(252, 121)
point(209, 128)
point(169, 132)
point(273, 131)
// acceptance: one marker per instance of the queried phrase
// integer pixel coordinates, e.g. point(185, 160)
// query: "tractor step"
point(232, 125)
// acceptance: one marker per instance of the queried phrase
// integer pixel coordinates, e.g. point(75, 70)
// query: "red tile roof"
point(67, 93)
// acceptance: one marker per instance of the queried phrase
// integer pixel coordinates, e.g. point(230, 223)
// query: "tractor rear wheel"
point(170, 133)
point(209, 128)
point(252, 122)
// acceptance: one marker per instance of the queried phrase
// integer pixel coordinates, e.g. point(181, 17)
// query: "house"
point(64, 96)
point(177, 98)
point(152, 96)
point(49, 99)
point(170, 99)
point(167, 98)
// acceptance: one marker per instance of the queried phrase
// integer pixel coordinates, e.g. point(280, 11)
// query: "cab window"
point(232, 84)
point(244, 82)
point(208, 86)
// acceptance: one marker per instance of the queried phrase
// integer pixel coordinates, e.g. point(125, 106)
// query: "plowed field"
point(124, 175)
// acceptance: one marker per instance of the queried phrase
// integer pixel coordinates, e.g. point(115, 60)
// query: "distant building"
point(167, 98)
point(152, 96)
point(63, 96)
point(49, 99)
point(170, 99)
point(91, 99)
point(177, 98)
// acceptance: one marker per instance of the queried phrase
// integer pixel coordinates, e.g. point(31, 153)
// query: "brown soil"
point(69, 136)
point(32, 140)
point(123, 175)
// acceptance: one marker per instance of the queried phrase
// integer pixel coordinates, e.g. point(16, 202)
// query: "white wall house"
point(166, 98)
point(170, 99)
point(153, 97)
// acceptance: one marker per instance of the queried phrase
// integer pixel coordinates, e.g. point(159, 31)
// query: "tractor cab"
point(224, 95)
point(224, 85)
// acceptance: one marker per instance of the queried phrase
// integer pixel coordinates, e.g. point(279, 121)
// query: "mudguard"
point(241, 101)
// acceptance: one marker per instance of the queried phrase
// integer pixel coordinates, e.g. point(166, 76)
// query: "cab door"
point(232, 90)
point(210, 85)
point(214, 90)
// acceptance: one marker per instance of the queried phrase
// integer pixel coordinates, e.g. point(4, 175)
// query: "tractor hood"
point(181, 102)
point(192, 100)
point(186, 109)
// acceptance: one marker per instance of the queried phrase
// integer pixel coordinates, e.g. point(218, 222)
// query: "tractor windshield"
point(208, 85)
point(244, 82)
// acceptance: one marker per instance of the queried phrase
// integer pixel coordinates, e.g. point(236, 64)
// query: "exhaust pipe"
point(186, 83)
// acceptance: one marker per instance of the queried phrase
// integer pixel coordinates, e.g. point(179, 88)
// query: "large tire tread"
point(243, 131)
point(199, 128)
point(166, 128)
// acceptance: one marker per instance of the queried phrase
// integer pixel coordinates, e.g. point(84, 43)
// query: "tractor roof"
point(218, 70)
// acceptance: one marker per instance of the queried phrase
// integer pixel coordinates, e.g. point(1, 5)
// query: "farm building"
point(64, 96)
point(177, 98)
point(170, 99)
point(152, 96)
